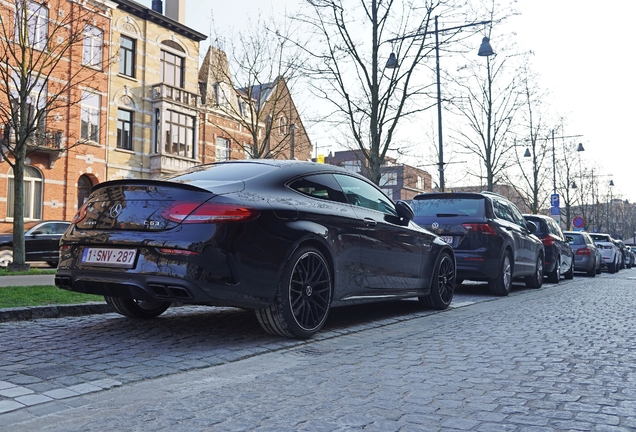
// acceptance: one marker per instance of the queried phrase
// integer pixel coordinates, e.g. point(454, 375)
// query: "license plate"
point(108, 257)
point(447, 239)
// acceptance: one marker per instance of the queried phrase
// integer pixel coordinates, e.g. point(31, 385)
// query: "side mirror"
point(404, 210)
point(532, 227)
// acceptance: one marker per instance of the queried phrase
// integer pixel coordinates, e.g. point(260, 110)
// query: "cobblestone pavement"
point(558, 358)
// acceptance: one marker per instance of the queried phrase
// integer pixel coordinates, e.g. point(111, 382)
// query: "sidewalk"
point(53, 311)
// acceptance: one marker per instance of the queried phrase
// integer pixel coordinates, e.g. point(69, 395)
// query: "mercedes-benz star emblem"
point(115, 211)
point(434, 225)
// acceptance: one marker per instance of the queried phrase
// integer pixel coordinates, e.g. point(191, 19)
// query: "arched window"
point(84, 186)
point(282, 125)
point(32, 193)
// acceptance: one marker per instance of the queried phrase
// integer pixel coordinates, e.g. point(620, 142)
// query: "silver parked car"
point(587, 257)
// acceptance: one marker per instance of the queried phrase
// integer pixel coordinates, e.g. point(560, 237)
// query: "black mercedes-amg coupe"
point(288, 239)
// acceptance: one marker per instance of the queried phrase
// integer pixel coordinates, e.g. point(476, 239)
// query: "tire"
point(303, 299)
point(570, 273)
point(536, 279)
point(592, 272)
point(6, 257)
point(442, 284)
point(611, 268)
point(139, 309)
point(501, 284)
point(554, 276)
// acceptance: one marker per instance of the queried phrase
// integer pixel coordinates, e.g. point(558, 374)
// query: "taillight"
point(81, 213)
point(584, 251)
point(481, 228)
point(170, 251)
point(547, 241)
point(190, 212)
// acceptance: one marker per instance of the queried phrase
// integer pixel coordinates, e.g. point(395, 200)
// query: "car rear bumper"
point(476, 266)
point(155, 288)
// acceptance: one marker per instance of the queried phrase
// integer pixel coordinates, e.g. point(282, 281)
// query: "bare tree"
point(348, 71)
point(37, 43)
point(253, 85)
point(532, 180)
point(488, 99)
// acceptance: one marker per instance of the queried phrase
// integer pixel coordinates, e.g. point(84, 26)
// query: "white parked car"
point(612, 255)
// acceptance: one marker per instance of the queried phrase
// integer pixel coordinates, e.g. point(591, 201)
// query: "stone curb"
point(57, 311)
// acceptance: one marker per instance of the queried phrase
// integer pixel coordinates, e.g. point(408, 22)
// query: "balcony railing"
point(174, 94)
point(47, 140)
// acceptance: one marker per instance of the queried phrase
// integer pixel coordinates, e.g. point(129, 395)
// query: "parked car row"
point(292, 239)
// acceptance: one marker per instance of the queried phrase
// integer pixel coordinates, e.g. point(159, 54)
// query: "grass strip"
point(42, 295)
point(34, 271)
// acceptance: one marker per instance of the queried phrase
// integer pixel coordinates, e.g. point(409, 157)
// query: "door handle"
point(370, 222)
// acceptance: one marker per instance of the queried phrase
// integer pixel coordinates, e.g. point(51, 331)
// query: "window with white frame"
point(172, 66)
point(420, 182)
point(32, 193)
point(353, 166)
point(222, 149)
point(388, 178)
point(179, 133)
point(91, 105)
point(93, 43)
point(32, 26)
point(35, 101)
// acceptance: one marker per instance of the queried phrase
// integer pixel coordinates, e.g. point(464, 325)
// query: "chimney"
point(175, 9)
point(157, 6)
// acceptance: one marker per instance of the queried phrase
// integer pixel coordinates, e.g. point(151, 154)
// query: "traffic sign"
point(555, 211)
point(554, 200)
point(578, 222)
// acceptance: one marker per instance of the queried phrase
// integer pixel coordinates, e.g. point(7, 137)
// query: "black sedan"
point(41, 241)
point(288, 239)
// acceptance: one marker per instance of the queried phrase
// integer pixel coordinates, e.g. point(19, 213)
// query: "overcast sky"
point(582, 53)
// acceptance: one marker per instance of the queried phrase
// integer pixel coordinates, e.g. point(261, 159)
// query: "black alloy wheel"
point(303, 299)
point(501, 284)
point(536, 279)
point(570, 273)
point(139, 309)
point(442, 284)
point(554, 275)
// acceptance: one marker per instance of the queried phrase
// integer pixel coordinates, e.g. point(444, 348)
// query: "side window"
point(363, 194)
point(322, 186)
point(502, 211)
point(516, 215)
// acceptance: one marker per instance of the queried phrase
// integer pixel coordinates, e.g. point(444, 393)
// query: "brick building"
point(68, 146)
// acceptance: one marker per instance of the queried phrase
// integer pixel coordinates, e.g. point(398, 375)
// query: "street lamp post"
point(485, 50)
point(554, 200)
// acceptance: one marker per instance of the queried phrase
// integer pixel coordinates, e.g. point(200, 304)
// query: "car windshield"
point(448, 207)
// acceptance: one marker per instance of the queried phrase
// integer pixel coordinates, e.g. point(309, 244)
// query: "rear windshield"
point(600, 237)
point(448, 207)
point(224, 172)
point(577, 239)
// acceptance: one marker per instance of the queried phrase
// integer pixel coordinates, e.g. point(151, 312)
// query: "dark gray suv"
point(491, 239)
